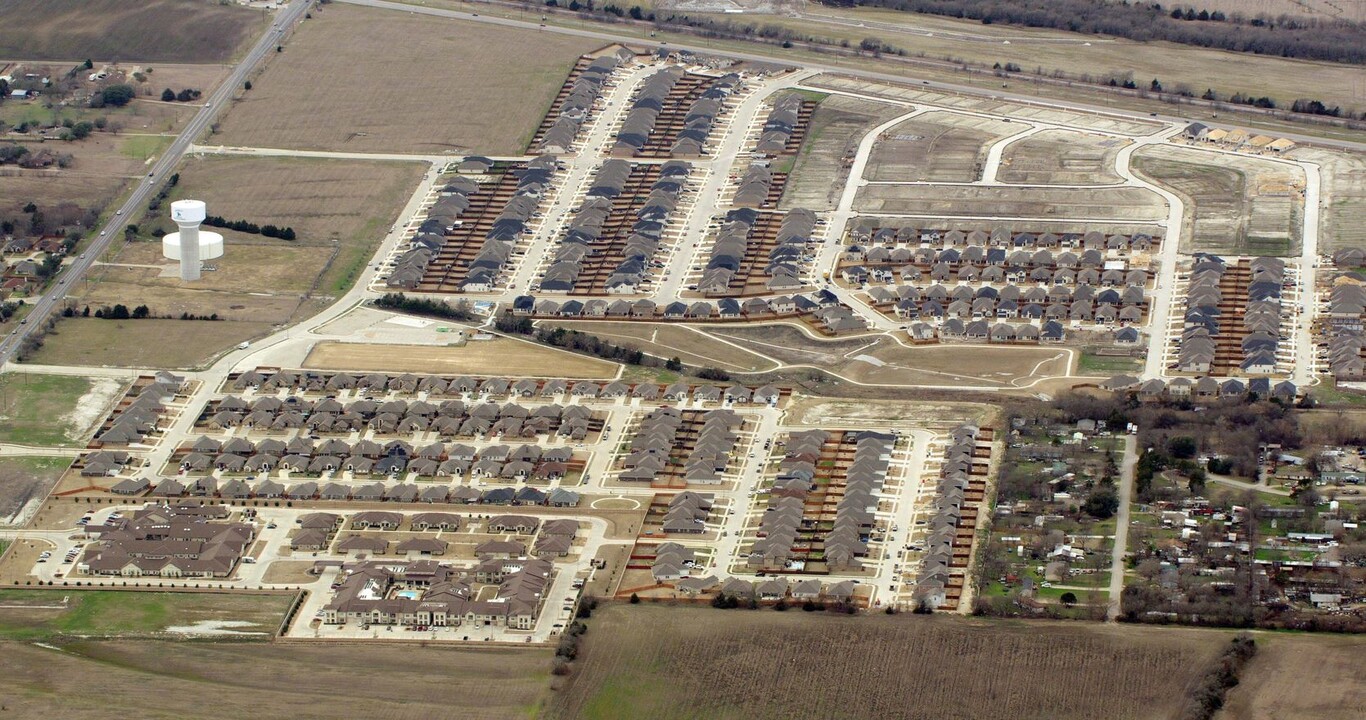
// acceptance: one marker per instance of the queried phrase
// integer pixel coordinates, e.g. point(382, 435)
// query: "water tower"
point(190, 246)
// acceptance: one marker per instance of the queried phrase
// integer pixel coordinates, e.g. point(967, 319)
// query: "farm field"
point(693, 347)
point(1061, 157)
point(150, 343)
point(395, 89)
point(1235, 205)
point(1083, 55)
point(112, 30)
point(22, 479)
point(46, 615)
point(47, 409)
point(1124, 204)
point(487, 357)
point(205, 681)
point(687, 663)
point(1273, 685)
point(936, 147)
point(820, 170)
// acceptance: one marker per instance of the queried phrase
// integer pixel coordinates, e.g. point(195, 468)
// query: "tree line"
point(186, 95)
point(270, 231)
point(421, 306)
point(119, 311)
point(1284, 36)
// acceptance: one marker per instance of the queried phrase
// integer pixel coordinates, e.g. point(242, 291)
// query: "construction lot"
point(405, 99)
point(1238, 205)
point(1061, 157)
point(822, 164)
point(1117, 204)
point(936, 147)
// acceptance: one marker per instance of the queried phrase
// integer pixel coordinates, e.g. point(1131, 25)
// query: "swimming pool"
point(410, 594)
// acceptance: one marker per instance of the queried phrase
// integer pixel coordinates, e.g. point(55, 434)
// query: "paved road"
point(213, 104)
point(1117, 553)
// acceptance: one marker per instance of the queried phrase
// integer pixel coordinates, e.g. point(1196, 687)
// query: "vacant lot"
point(1123, 204)
point(883, 361)
point(1061, 157)
point(337, 207)
point(1275, 685)
point(940, 416)
point(116, 30)
point(702, 663)
point(404, 84)
point(100, 165)
point(51, 614)
point(502, 357)
point(152, 344)
point(666, 341)
point(936, 146)
point(25, 479)
point(206, 681)
point(52, 409)
point(837, 127)
point(1236, 205)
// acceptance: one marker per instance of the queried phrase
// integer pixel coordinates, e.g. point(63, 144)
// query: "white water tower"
point(190, 246)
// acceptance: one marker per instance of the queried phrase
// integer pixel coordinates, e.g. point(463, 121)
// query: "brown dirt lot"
point(1125, 204)
point(203, 681)
point(936, 146)
point(667, 341)
point(1275, 683)
point(404, 84)
point(105, 30)
point(1061, 157)
point(500, 357)
point(1236, 205)
point(290, 571)
point(662, 662)
point(142, 343)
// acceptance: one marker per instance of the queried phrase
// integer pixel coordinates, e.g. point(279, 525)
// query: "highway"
point(113, 227)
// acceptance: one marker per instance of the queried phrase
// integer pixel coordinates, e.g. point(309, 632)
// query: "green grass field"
point(141, 147)
point(1092, 364)
point(29, 615)
point(32, 406)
